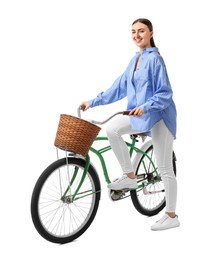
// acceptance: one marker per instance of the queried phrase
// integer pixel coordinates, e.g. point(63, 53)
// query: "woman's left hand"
point(137, 111)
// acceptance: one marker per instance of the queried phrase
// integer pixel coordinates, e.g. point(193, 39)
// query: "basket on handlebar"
point(75, 134)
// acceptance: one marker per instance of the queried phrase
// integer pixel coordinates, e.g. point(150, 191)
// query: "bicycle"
point(66, 196)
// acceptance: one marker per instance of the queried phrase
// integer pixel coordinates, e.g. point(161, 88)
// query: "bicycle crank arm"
point(146, 192)
point(118, 194)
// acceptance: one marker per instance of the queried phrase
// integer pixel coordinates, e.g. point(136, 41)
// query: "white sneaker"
point(123, 182)
point(166, 222)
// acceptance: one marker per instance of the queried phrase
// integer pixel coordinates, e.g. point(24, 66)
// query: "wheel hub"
point(67, 199)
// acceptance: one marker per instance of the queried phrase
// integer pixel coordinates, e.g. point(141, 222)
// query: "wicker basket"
point(75, 134)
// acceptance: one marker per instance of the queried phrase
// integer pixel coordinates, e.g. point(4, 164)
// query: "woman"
point(146, 85)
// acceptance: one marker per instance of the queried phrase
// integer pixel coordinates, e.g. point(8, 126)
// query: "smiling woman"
point(142, 33)
point(146, 85)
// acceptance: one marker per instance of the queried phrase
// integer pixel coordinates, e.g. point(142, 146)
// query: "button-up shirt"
point(147, 87)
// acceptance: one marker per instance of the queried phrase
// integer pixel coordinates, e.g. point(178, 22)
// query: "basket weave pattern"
point(75, 134)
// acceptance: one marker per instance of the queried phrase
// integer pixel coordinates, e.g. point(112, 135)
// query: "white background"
point(55, 54)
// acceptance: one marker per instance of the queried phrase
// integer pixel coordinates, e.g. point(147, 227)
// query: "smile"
point(138, 40)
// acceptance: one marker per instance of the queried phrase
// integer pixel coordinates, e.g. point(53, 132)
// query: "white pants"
point(162, 140)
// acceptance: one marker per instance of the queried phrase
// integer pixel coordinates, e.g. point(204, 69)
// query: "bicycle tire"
point(143, 204)
point(48, 204)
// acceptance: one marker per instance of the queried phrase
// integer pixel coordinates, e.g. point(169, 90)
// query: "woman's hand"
point(137, 111)
point(84, 105)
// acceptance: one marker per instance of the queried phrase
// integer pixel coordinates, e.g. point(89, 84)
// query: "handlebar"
point(105, 121)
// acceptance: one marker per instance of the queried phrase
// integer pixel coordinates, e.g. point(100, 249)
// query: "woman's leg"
point(115, 130)
point(162, 140)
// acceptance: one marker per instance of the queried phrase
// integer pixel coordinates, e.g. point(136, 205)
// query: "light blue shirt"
point(148, 87)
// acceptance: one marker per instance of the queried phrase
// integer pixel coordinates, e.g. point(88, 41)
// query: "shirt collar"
point(152, 49)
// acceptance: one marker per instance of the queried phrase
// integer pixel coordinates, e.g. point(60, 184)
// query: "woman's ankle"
point(131, 175)
point(171, 214)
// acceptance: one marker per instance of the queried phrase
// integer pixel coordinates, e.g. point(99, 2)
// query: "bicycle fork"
point(70, 198)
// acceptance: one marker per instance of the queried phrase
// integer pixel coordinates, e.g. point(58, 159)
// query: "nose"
point(137, 35)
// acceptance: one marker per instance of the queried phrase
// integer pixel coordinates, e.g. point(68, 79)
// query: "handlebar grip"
point(126, 113)
point(82, 107)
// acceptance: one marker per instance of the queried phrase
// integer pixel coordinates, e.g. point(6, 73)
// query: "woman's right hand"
point(84, 105)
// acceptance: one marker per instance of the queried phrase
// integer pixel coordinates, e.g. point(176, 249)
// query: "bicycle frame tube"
point(101, 158)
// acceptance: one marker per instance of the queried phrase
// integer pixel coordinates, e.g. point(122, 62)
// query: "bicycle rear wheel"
point(149, 200)
point(58, 215)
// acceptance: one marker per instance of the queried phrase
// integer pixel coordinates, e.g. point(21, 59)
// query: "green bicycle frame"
point(99, 153)
point(107, 148)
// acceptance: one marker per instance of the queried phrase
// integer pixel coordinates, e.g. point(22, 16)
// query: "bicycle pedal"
point(124, 190)
point(115, 195)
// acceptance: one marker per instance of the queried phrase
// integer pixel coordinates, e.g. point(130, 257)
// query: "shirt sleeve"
point(116, 92)
point(162, 91)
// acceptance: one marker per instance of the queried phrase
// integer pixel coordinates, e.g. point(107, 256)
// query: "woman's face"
point(141, 35)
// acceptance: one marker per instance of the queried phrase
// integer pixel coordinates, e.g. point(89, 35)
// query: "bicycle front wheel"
point(63, 206)
point(149, 200)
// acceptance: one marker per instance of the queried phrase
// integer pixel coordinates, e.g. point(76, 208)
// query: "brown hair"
point(150, 27)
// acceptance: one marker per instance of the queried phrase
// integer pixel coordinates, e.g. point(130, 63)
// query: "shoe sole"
point(162, 229)
point(121, 188)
